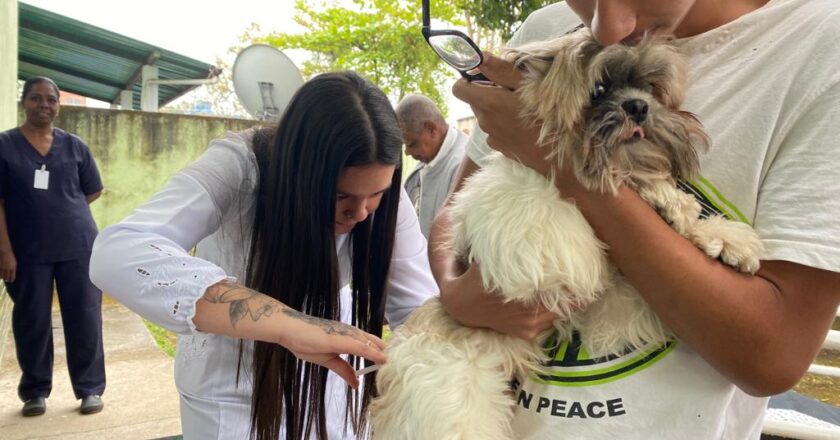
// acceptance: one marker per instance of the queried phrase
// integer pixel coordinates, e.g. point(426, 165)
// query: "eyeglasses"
point(453, 47)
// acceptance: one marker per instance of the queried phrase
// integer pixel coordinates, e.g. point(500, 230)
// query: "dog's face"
point(613, 112)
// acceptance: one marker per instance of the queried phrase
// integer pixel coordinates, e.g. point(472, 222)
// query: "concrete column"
point(149, 97)
point(8, 118)
point(8, 64)
point(127, 100)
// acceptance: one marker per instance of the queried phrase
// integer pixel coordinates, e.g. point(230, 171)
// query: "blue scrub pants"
point(81, 314)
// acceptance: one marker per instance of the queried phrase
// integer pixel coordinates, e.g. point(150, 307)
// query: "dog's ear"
point(556, 86)
point(684, 143)
point(667, 71)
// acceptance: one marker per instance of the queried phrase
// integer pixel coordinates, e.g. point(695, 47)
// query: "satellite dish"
point(265, 80)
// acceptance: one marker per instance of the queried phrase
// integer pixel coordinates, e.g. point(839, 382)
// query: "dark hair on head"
point(27, 86)
point(335, 120)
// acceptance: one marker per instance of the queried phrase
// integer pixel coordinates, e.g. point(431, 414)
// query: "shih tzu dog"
point(612, 115)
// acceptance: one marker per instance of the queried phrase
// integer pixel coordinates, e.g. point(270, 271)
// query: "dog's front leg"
point(733, 242)
point(681, 210)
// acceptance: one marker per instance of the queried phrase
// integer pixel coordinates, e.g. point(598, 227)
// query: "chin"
point(341, 230)
point(611, 114)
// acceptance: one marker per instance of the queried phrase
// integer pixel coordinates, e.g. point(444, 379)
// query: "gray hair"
point(415, 110)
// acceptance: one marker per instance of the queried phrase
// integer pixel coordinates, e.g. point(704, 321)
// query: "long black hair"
point(335, 120)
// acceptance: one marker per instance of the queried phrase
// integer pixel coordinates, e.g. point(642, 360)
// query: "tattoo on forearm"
point(329, 327)
point(244, 302)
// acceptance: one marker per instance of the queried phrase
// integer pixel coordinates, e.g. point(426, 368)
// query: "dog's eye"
point(599, 91)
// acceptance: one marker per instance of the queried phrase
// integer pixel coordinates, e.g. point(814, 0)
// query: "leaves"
point(502, 16)
point(379, 39)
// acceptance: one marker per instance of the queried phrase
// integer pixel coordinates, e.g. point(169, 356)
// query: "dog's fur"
point(446, 381)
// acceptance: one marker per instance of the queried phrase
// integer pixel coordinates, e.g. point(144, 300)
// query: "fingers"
point(369, 347)
point(378, 343)
point(472, 93)
point(368, 339)
point(343, 370)
point(545, 320)
point(8, 275)
point(529, 329)
point(500, 71)
point(473, 273)
point(496, 108)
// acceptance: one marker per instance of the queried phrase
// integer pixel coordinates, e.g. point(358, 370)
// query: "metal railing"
point(804, 431)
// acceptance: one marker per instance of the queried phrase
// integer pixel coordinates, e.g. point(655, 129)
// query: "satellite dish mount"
point(270, 110)
point(265, 79)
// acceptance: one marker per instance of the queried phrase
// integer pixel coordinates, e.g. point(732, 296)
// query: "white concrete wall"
point(8, 118)
point(8, 63)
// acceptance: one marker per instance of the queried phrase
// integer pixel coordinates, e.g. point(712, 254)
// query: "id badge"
point(42, 178)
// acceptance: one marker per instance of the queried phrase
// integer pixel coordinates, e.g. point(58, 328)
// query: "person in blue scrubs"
point(47, 180)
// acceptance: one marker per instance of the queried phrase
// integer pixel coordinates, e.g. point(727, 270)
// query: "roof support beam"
point(151, 59)
point(149, 95)
point(127, 100)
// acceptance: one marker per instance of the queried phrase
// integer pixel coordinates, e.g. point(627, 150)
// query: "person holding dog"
point(305, 244)
point(772, 163)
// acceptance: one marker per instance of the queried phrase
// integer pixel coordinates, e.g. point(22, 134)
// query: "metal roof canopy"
point(97, 63)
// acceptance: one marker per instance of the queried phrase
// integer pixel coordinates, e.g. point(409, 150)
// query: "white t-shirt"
point(767, 89)
point(142, 261)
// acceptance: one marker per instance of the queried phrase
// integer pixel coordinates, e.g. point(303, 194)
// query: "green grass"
point(164, 339)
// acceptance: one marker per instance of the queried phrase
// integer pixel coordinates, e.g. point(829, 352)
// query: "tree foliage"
point(499, 17)
point(380, 39)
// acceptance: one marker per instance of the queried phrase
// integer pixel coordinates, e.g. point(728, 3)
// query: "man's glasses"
point(453, 47)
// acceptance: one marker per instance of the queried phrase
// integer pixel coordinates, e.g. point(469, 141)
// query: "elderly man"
point(438, 147)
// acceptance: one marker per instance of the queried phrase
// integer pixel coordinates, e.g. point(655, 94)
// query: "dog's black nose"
point(637, 109)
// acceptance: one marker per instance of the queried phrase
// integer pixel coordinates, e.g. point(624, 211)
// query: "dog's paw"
point(711, 246)
point(676, 207)
point(744, 252)
point(736, 244)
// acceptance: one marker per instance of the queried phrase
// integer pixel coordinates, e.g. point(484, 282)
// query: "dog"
point(613, 115)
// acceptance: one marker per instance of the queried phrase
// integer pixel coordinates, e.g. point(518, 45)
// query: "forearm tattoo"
point(329, 327)
point(244, 302)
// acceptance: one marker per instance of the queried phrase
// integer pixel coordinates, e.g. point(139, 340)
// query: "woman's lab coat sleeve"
point(143, 261)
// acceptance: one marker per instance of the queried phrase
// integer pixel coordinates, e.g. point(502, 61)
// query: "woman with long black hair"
point(292, 269)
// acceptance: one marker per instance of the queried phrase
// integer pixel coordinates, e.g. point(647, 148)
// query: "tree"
point(380, 39)
point(493, 22)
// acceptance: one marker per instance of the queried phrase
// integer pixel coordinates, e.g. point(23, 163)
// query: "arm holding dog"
point(461, 290)
point(737, 323)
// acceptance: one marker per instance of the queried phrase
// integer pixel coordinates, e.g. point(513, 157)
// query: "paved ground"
point(140, 400)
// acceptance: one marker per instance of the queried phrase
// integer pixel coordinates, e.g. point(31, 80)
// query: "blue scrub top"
point(53, 224)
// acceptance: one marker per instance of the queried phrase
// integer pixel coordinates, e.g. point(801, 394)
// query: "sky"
point(197, 29)
point(202, 30)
